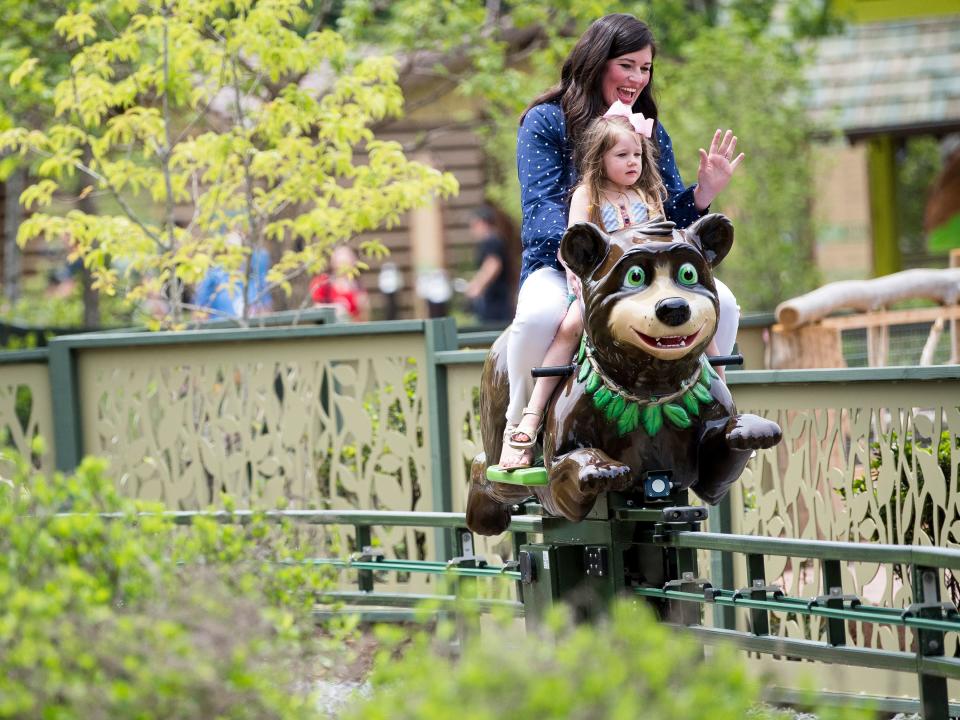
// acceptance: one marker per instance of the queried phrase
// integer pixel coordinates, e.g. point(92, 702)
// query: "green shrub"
point(134, 617)
point(628, 667)
point(901, 450)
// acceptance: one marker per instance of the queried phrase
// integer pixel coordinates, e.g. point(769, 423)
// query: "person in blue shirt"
point(612, 60)
point(216, 298)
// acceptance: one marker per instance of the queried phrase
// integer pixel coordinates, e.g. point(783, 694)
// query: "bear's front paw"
point(752, 432)
point(601, 476)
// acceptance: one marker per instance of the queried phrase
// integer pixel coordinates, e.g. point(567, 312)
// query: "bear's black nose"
point(673, 311)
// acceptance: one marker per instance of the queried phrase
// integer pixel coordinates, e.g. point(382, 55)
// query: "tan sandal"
point(523, 441)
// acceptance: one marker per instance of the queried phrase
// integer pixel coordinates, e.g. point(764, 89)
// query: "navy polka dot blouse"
point(547, 175)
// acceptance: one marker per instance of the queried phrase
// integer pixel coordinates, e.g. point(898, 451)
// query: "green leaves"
point(584, 372)
point(25, 68)
point(133, 600)
point(201, 110)
point(38, 195)
point(615, 407)
point(76, 27)
point(601, 397)
point(630, 414)
point(701, 393)
point(652, 418)
point(629, 419)
point(593, 382)
point(676, 415)
point(691, 403)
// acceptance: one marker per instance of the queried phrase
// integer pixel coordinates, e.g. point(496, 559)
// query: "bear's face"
point(666, 304)
point(649, 291)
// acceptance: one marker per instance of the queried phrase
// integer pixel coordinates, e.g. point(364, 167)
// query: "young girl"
point(620, 187)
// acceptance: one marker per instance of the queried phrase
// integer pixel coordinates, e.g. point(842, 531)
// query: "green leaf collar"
point(629, 412)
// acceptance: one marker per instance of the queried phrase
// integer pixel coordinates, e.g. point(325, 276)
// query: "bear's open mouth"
point(668, 342)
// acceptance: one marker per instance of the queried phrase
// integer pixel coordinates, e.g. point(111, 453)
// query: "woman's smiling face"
point(625, 76)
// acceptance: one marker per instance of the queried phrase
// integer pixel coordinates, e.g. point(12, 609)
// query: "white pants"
point(540, 309)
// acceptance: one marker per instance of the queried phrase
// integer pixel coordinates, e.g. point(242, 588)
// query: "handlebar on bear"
point(564, 370)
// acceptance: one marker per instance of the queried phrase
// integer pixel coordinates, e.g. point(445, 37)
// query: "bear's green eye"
point(687, 275)
point(635, 277)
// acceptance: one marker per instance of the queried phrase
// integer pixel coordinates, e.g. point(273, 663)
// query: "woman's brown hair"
point(602, 135)
point(579, 89)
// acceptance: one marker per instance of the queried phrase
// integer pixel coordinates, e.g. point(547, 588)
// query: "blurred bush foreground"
point(135, 617)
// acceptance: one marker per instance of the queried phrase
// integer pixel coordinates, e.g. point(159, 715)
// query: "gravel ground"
point(333, 697)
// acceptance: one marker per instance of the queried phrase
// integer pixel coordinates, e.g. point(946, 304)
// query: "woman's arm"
point(684, 205)
point(716, 168)
point(544, 170)
point(680, 204)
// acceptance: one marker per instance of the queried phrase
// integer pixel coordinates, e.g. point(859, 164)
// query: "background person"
point(490, 289)
point(340, 289)
point(217, 297)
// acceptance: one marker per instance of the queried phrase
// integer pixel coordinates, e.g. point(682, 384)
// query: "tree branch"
point(248, 194)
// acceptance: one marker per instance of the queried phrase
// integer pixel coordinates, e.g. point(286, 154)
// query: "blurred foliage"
point(734, 64)
point(629, 666)
point(200, 105)
point(42, 305)
point(134, 617)
point(753, 84)
point(931, 464)
point(918, 164)
point(28, 32)
point(497, 56)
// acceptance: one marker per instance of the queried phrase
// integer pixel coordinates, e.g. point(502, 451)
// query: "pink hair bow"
point(643, 126)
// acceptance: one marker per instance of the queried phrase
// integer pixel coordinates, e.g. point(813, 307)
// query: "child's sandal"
point(518, 444)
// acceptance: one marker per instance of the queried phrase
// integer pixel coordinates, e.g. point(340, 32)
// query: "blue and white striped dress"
point(613, 220)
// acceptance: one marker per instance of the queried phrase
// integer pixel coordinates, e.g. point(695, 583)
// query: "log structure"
point(805, 337)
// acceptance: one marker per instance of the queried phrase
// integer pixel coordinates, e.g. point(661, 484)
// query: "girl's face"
point(626, 75)
point(623, 162)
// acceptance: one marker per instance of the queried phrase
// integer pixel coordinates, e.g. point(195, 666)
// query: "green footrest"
point(521, 476)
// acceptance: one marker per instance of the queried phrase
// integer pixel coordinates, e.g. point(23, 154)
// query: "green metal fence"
point(383, 416)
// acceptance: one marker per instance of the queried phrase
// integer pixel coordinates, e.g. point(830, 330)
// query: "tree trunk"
point(91, 298)
point(12, 214)
point(811, 346)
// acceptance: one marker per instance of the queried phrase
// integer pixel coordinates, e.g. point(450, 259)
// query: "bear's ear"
point(583, 248)
point(713, 234)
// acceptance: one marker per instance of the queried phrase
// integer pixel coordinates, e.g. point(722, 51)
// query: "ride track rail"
point(929, 618)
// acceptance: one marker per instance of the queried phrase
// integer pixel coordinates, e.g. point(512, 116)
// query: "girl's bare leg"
point(560, 352)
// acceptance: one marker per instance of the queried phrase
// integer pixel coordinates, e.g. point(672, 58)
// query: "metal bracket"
point(467, 561)
point(689, 583)
point(528, 568)
point(710, 594)
point(596, 560)
point(937, 611)
point(684, 514)
point(835, 598)
point(675, 519)
point(368, 553)
point(759, 591)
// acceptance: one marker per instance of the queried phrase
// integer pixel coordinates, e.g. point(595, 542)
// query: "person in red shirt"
point(340, 288)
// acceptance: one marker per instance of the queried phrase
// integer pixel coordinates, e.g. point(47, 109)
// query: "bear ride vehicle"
point(643, 396)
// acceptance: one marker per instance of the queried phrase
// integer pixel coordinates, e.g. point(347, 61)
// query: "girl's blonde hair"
point(602, 134)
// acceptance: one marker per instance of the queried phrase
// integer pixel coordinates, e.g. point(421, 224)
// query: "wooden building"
point(891, 77)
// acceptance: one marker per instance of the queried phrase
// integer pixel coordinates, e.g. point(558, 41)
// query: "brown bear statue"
point(642, 396)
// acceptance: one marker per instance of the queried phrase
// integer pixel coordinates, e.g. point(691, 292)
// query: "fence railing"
point(383, 416)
